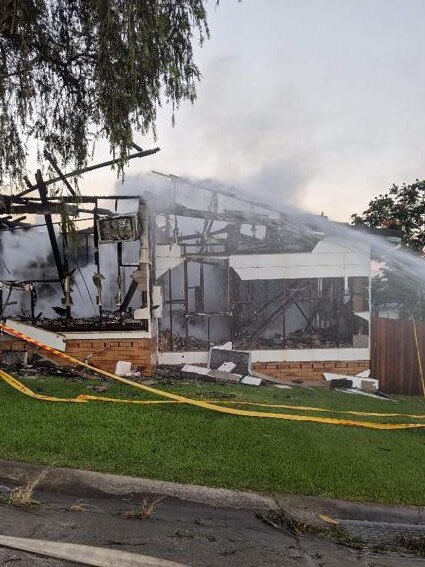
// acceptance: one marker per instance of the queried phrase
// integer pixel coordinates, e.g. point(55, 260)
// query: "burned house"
point(159, 279)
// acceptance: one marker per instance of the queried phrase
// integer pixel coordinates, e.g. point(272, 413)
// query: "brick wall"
point(106, 353)
point(310, 370)
point(9, 344)
point(142, 353)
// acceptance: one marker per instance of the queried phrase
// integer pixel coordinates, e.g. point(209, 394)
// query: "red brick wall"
point(141, 352)
point(8, 344)
point(106, 353)
point(310, 370)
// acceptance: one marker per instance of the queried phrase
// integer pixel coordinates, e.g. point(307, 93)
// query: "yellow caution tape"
point(123, 401)
point(24, 390)
point(258, 404)
point(327, 410)
point(189, 401)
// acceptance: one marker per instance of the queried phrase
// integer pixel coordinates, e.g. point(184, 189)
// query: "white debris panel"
point(329, 259)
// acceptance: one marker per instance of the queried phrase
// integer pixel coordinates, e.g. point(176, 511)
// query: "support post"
point(170, 301)
point(96, 251)
point(283, 313)
point(33, 299)
point(186, 298)
point(42, 189)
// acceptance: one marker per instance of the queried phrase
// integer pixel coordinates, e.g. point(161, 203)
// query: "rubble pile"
point(225, 366)
point(172, 341)
point(17, 362)
point(296, 340)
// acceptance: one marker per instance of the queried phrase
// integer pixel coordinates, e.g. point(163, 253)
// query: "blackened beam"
point(11, 223)
point(129, 296)
point(235, 194)
point(33, 206)
point(105, 212)
point(136, 147)
point(82, 198)
point(264, 306)
point(32, 226)
point(301, 310)
point(232, 194)
point(77, 172)
point(289, 299)
point(42, 189)
point(42, 208)
point(200, 236)
point(241, 217)
point(55, 166)
point(13, 282)
point(18, 220)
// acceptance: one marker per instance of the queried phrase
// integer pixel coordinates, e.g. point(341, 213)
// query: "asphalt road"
point(193, 534)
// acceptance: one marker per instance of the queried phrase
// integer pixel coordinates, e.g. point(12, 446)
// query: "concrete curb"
point(85, 483)
point(303, 508)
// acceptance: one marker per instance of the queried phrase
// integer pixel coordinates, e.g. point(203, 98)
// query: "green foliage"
point(74, 70)
point(393, 287)
point(403, 209)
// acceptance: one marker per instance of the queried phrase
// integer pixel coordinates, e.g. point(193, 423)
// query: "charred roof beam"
point(78, 172)
point(240, 217)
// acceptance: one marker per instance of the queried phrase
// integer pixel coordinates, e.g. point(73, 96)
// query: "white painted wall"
point(331, 258)
point(167, 257)
point(107, 335)
point(188, 357)
point(279, 355)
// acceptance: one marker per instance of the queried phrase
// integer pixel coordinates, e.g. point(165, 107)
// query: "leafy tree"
point(396, 286)
point(399, 282)
point(74, 70)
point(403, 209)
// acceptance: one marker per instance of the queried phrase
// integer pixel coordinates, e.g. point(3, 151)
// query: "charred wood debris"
point(248, 308)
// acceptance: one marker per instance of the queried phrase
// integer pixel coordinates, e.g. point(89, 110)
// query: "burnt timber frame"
point(11, 205)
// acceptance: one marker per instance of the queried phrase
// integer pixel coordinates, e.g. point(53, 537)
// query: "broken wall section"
point(105, 353)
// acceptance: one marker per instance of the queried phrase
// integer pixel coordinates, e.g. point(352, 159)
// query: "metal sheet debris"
point(241, 359)
point(357, 381)
point(367, 394)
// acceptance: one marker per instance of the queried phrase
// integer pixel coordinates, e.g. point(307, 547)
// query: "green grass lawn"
point(191, 445)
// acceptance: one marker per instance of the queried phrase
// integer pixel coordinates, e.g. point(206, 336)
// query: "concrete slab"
point(123, 368)
point(251, 381)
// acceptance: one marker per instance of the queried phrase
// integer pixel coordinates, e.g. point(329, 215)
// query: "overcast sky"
point(319, 103)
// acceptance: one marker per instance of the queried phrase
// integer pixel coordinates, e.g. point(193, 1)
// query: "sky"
point(313, 103)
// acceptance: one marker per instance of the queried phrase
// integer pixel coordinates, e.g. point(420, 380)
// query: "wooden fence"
point(394, 356)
